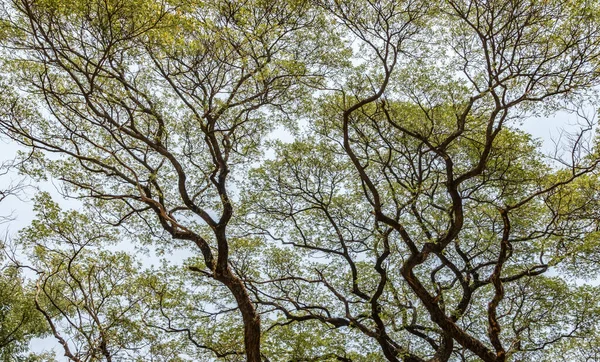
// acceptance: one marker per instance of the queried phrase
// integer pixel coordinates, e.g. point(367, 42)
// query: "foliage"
point(19, 321)
point(409, 218)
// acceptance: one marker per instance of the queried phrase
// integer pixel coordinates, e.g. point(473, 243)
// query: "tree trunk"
point(249, 315)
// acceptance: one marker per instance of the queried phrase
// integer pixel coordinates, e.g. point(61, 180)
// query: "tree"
point(19, 321)
point(93, 300)
point(410, 213)
point(172, 94)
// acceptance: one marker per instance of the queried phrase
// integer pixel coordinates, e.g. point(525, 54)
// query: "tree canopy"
point(19, 322)
point(322, 180)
